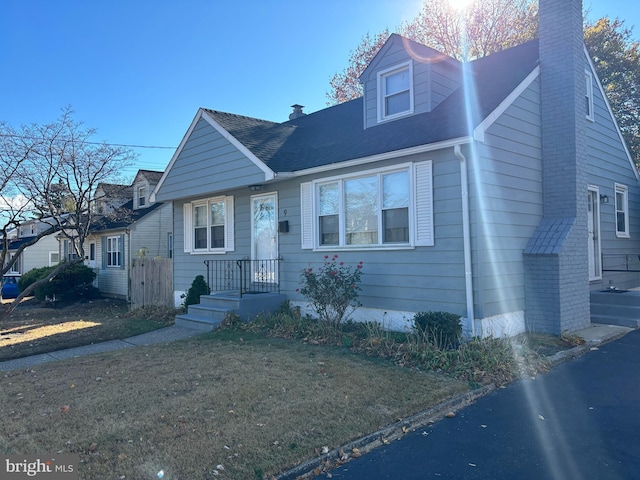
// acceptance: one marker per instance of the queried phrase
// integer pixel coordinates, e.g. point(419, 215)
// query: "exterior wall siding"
point(37, 255)
point(151, 232)
point(417, 279)
point(113, 281)
point(506, 202)
point(208, 162)
point(607, 165)
point(433, 81)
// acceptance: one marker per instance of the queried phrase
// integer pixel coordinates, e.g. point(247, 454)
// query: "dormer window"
point(395, 92)
point(142, 194)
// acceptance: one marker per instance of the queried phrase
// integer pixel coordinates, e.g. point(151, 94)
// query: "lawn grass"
point(35, 328)
point(253, 405)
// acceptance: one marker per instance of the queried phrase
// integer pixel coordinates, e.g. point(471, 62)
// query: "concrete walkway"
point(162, 335)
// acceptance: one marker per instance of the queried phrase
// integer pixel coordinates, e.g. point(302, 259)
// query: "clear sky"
point(137, 70)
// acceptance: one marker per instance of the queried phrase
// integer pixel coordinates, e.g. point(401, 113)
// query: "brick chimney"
point(556, 267)
point(297, 111)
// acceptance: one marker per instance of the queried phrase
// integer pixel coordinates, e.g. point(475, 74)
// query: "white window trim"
point(118, 251)
point(624, 190)
point(53, 254)
point(15, 268)
point(229, 237)
point(420, 209)
point(142, 195)
point(382, 91)
point(589, 95)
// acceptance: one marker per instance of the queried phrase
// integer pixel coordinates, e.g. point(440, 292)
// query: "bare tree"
point(57, 168)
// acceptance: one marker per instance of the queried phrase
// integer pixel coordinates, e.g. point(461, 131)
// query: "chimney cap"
point(297, 111)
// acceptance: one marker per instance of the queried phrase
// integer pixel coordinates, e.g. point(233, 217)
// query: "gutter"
point(466, 235)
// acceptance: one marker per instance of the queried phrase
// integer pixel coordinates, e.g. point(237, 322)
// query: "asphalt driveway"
point(579, 421)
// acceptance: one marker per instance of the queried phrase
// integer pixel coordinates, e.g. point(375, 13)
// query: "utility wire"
point(92, 143)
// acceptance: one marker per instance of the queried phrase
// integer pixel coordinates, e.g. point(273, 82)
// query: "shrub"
point(332, 289)
point(72, 282)
point(442, 329)
point(198, 287)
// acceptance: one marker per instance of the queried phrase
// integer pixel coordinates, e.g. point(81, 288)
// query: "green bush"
point(442, 329)
point(72, 282)
point(198, 287)
point(332, 289)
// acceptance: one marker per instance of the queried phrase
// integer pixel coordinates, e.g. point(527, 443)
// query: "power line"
point(92, 143)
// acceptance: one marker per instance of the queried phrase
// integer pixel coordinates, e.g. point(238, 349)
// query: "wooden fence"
point(151, 282)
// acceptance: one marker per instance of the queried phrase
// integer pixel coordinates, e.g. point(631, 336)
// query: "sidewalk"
point(162, 335)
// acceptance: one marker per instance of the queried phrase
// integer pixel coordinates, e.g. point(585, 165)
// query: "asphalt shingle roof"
point(336, 134)
point(122, 217)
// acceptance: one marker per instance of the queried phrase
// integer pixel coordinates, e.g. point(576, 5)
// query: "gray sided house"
point(43, 253)
point(500, 189)
point(136, 228)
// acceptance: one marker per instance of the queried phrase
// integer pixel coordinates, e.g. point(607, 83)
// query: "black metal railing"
point(620, 262)
point(243, 276)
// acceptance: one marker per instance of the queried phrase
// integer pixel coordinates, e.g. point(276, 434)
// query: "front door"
point(593, 226)
point(264, 238)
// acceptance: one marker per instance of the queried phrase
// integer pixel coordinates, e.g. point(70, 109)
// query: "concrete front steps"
point(212, 309)
point(616, 307)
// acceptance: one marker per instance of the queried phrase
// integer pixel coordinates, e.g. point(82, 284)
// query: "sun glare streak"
point(483, 173)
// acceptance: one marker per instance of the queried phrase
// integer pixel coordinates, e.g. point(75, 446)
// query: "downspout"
point(466, 235)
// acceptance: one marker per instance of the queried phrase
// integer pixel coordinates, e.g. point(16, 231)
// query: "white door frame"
point(265, 272)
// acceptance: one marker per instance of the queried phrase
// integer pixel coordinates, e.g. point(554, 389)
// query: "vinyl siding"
point(151, 232)
point(207, 162)
point(607, 164)
point(37, 255)
point(416, 279)
point(433, 81)
point(505, 178)
point(113, 281)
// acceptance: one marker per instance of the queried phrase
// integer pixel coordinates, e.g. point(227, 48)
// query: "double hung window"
point(370, 209)
point(588, 99)
point(209, 225)
point(622, 211)
point(395, 91)
point(114, 249)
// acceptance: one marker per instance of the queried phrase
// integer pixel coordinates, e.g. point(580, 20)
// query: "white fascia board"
point(380, 157)
point(613, 117)
point(478, 133)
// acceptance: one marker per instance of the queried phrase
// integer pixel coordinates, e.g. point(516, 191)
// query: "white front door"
point(264, 238)
point(593, 227)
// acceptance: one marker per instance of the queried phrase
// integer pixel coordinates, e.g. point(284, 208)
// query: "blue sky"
point(137, 70)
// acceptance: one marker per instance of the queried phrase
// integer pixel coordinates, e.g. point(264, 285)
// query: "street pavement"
point(579, 421)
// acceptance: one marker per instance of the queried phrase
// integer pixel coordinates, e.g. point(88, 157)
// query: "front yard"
point(237, 403)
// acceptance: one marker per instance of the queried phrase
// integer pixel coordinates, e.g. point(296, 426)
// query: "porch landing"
point(616, 307)
point(212, 309)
